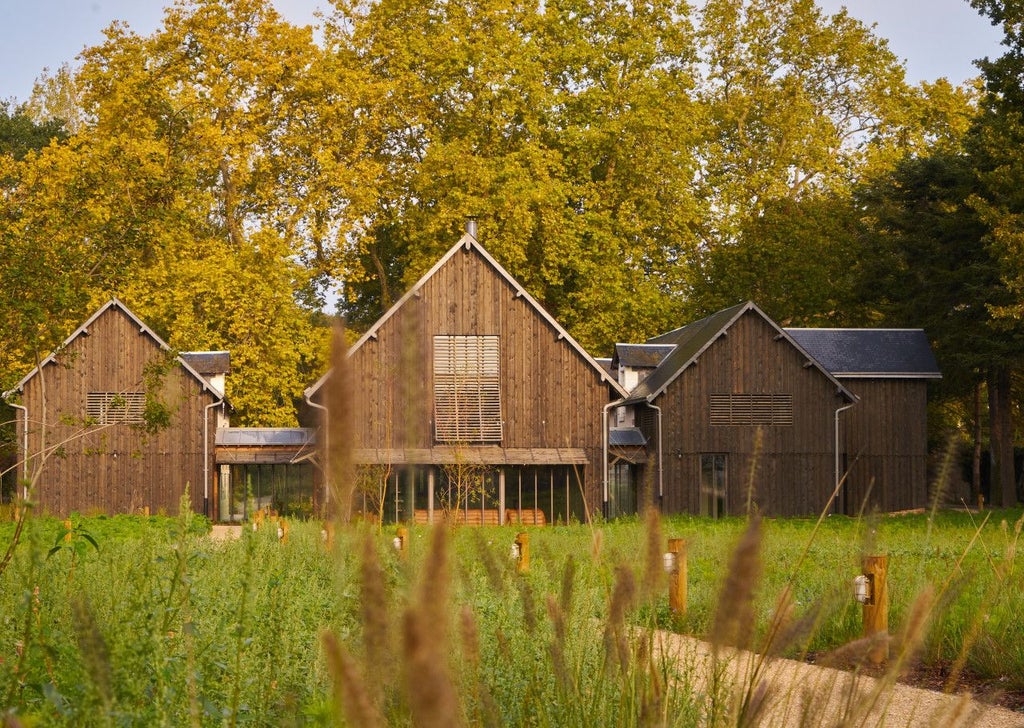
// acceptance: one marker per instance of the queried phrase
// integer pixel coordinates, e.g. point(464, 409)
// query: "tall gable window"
point(467, 389)
point(110, 408)
point(751, 409)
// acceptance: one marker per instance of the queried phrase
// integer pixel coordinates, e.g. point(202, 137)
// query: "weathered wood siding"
point(886, 443)
point(793, 465)
point(115, 468)
point(551, 397)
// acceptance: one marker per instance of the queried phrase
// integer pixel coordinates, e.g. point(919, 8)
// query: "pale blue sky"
point(935, 37)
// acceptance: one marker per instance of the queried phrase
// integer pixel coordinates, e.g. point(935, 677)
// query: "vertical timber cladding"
point(116, 467)
point(551, 396)
point(886, 443)
point(794, 464)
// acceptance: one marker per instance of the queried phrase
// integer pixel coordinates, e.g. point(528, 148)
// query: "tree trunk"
point(976, 458)
point(1004, 484)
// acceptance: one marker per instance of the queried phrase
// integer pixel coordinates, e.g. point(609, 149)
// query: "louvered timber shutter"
point(751, 409)
point(467, 389)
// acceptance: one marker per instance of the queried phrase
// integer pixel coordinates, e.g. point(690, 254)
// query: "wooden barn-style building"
point(737, 393)
point(739, 410)
point(469, 401)
point(472, 402)
point(114, 422)
point(884, 438)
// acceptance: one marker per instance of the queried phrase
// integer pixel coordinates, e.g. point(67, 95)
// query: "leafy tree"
point(797, 100)
point(802, 107)
point(928, 261)
point(564, 131)
point(55, 96)
point(201, 189)
point(794, 260)
point(995, 144)
point(20, 134)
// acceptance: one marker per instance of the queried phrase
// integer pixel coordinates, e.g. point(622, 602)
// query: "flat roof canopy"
point(263, 445)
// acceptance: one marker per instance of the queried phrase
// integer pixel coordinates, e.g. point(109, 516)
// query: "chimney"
point(471, 228)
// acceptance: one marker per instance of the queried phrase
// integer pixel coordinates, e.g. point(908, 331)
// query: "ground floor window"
point(556, 491)
point(622, 487)
point(713, 482)
point(491, 495)
point(286, 488)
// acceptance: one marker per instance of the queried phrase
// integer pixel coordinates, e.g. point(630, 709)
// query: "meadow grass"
point(160, 625)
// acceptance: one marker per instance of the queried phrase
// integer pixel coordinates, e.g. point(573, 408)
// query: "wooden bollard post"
point(522, 546)
point(402, 542)
point(876, 608)
point(677, 576)
point(328, 535)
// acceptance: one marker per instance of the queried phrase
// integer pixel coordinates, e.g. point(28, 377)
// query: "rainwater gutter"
point(661, 470)
point(206, 454)
point(604, 448)
point(24, 445)
point(835, 493)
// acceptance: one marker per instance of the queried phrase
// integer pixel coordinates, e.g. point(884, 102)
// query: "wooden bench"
point(526, 516)
point(487, 517)
point(476, 517)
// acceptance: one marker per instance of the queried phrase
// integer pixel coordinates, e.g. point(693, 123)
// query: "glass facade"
point(286, 488)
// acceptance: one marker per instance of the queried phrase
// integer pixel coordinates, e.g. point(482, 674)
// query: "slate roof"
point(626, 437)
point(208, 362)
point(606, 364)
point(265, 436)
point(688, 341)
point(641, 356)
point(878, 353)
point(691, 341)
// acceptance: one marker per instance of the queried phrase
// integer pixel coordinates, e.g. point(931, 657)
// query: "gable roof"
point(469, 243)
point(694, 339)
point(876, 353)
point(115, 303)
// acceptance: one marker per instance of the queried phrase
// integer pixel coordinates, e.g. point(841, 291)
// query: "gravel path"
point(799, 694)
point(222, 532)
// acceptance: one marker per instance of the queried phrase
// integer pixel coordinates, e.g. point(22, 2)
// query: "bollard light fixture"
point(863, 589)
point(670, 562)
point(517, 551)
point(397, 543)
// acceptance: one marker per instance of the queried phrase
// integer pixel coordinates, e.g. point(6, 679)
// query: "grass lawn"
point(148, 621)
